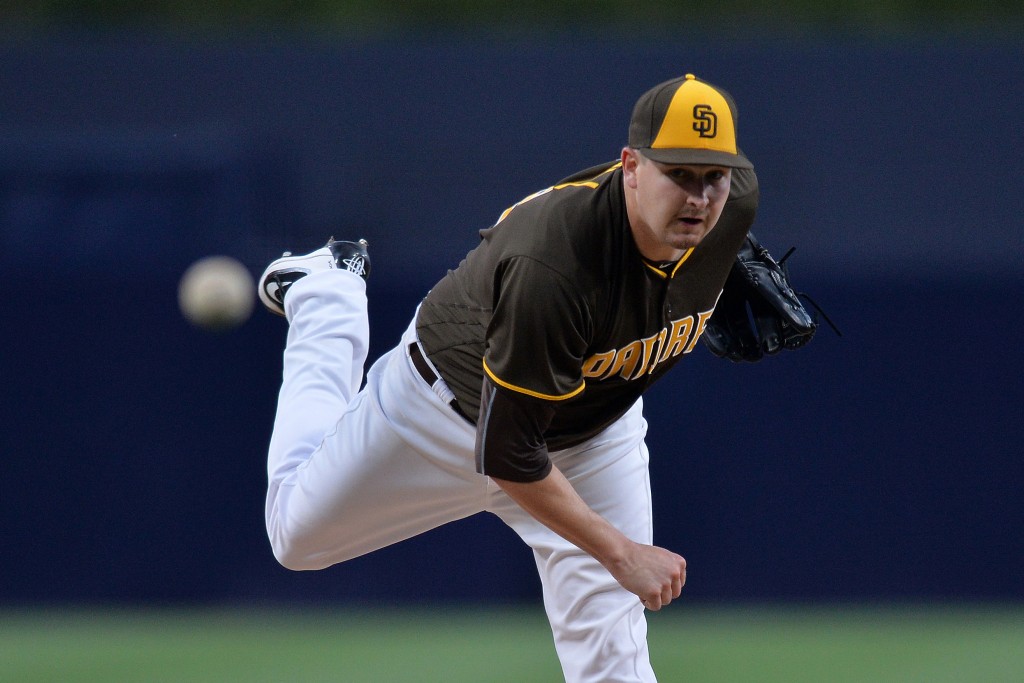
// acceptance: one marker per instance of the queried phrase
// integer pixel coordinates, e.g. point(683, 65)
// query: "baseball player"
point(516, 389)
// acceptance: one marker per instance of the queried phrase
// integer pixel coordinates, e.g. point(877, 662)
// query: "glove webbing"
point(804, 295)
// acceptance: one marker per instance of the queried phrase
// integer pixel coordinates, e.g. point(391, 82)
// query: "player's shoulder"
point(592, 176)
point(570, 227)
point(744, 183)
point(581, 199)
point(584, 199)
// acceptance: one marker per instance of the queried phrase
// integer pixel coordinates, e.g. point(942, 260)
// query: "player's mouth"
point(691, 220)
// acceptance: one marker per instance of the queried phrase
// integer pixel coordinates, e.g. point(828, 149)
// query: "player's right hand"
point(654, 574)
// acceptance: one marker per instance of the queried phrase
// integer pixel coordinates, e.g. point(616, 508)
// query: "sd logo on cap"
point(687, 121)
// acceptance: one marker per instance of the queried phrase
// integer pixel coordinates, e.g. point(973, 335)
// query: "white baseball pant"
point(353, 471)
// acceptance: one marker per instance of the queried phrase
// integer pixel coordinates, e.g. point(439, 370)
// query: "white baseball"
point(216, 292)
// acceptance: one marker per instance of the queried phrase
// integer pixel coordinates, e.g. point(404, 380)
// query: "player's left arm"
point(759, 311)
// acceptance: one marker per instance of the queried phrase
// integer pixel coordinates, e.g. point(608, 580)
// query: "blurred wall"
point(884, 464)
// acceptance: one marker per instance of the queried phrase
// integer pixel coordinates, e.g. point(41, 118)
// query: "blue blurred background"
point(883, 465)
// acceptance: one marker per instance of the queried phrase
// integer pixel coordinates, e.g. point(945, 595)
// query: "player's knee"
point(294, 556)
point(293, 550)
point(296, 563)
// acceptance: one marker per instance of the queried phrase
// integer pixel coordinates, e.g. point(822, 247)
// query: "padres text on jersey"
point(556, 303)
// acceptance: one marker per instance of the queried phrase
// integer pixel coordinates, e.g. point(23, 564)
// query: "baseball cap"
point(687, 121)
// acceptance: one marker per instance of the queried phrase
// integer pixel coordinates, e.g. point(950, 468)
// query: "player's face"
point(672, 206)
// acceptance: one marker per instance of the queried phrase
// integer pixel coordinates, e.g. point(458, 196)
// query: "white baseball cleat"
point(287, 270)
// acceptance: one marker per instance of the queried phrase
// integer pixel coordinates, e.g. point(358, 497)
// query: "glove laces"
point(804, 295)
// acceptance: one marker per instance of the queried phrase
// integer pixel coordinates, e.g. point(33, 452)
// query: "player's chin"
point(688, 236)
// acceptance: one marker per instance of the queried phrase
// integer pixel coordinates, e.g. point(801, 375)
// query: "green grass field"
point(820, 644)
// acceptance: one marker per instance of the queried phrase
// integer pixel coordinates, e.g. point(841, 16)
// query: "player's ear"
point(630, 160)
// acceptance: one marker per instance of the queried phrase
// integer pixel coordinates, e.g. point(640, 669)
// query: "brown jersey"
point(557, 306)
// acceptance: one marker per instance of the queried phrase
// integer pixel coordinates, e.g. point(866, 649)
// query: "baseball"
point(216, 293)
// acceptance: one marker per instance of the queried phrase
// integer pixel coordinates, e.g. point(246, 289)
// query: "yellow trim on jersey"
point(675, 269)
point(579, 183)
point(592, 184)
point(654, 269)
point(682, 260)
point(535, 394)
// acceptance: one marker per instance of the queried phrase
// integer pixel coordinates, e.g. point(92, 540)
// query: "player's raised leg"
point(327, 345)
point(351, 470)
point(323, 296)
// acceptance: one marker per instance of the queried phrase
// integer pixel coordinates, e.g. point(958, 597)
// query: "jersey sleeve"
point(510, 435)
point(537, 337)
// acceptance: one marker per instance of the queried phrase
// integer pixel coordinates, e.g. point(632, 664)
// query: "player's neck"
point(665, 266)
point(653, 250)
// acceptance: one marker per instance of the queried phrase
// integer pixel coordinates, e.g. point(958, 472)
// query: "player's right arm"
point(654, 574)
point(536, 342)
point(510, 449)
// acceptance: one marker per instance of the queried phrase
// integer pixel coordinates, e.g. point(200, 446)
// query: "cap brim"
point(696, 156)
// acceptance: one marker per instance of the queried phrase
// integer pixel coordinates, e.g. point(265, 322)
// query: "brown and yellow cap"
point(687, 121)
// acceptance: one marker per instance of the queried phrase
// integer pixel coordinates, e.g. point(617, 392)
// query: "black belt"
point(430, 377)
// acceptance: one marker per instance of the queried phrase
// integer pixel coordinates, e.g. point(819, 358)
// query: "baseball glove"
point(759, 312)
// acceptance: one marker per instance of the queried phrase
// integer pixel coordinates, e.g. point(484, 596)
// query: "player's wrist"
point(616, 552)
